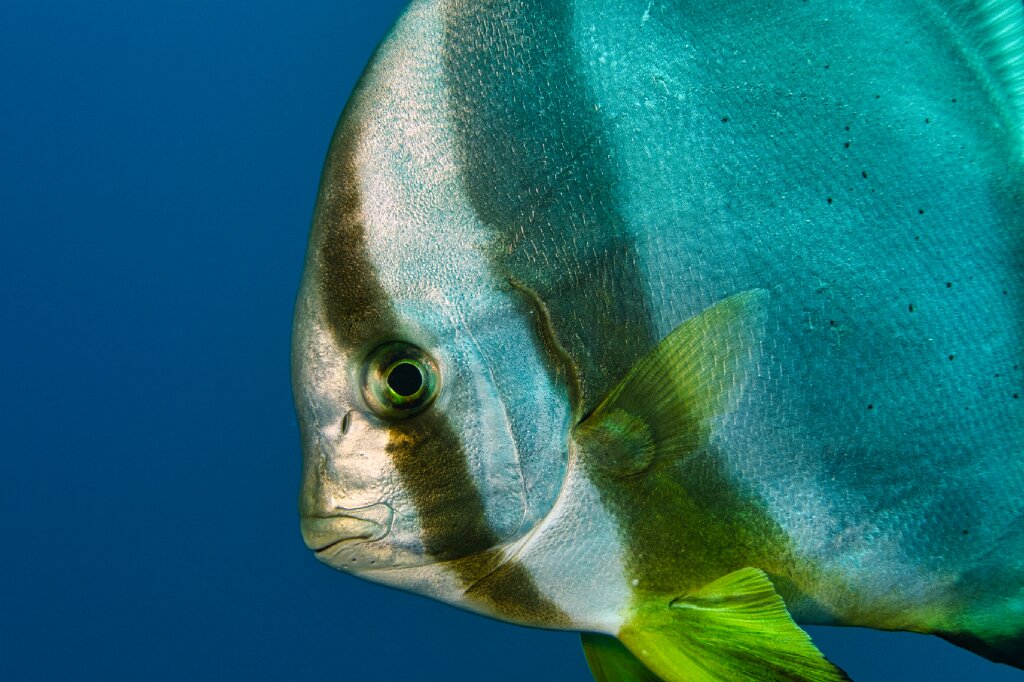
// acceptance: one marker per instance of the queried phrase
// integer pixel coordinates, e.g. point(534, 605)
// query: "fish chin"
point(339, 538)
point(362, 540)
point(360, 556)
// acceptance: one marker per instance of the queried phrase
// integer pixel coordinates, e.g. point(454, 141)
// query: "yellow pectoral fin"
point(609, 661)
point(737, 628)
point(662, 409)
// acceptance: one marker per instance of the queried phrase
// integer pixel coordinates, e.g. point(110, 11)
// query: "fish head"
point(433, 428)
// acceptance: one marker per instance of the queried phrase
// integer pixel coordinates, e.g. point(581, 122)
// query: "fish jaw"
point(345, 528)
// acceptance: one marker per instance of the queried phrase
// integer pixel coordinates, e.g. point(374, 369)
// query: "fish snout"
point(341, 528)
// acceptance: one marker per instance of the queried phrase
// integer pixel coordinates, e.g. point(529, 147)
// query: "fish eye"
point(399, 380)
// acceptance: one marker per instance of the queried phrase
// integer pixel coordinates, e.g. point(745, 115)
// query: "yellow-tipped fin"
point(664, 405)
point(610, 661)
point(734, 629)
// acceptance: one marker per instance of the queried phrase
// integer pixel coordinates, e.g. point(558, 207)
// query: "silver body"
point(858, 161)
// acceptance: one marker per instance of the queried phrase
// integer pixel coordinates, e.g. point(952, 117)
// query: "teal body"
point(538, 192)
point(867, 179)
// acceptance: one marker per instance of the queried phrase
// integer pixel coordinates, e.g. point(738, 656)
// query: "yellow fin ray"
point(735, 629)
point(665, 403)
point(610, 661)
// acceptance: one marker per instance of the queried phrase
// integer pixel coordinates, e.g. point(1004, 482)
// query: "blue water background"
point(158, 164)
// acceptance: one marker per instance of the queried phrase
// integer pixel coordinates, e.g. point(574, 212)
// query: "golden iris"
point(399, 380)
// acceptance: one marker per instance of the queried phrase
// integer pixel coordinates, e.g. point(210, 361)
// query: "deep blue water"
point(158, 164)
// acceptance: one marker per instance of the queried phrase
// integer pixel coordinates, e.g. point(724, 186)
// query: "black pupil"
point(405, 379)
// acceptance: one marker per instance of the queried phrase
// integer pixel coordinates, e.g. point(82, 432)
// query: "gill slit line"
point(522, 544)
point(550, 340)
point(504, 413)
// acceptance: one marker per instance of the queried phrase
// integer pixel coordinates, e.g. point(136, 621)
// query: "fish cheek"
point(433, 470)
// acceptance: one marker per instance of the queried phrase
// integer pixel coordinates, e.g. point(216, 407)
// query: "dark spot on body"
point(910, 308)
point(953, 100)
point(846, 128)
point(832, 323)
point(829, 200)
point(949, 285)
point(927, 120)
point(964, 532)
point(864, 174)
point(951, 357)
point(725, 119)
point(1016, 395)
point(871, 406)
point(878, 96)
point(920, 211)
point(846, 145)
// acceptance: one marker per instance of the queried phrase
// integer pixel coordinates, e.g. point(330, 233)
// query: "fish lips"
point(342, 529)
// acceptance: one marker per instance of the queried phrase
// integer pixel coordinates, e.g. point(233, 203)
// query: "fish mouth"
point(346, 527)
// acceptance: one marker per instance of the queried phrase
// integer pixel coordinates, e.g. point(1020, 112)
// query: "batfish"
point(679, 324)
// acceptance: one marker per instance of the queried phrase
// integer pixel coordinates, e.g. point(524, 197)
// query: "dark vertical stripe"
point(430, 460)
point(540, 174)
point(355, 306)
point(426, 450)
point(536, 171)
point(434, 470)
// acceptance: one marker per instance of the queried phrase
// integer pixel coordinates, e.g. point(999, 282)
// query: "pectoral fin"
point(735, 629)
point(662, 409)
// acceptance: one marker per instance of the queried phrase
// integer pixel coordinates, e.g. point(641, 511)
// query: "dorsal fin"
point(991, 34)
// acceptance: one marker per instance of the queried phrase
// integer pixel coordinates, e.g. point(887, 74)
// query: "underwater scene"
point(503, 339)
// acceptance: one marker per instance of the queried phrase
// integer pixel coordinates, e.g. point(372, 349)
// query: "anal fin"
point(736, 629)
point(610, 661)
point(1007, 650)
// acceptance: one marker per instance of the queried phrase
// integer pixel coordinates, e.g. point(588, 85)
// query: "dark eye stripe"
point(427, 453)
point(429, 458)
point(433, 467)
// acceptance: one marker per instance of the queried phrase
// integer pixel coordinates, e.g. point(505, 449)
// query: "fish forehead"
point(425, 241)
